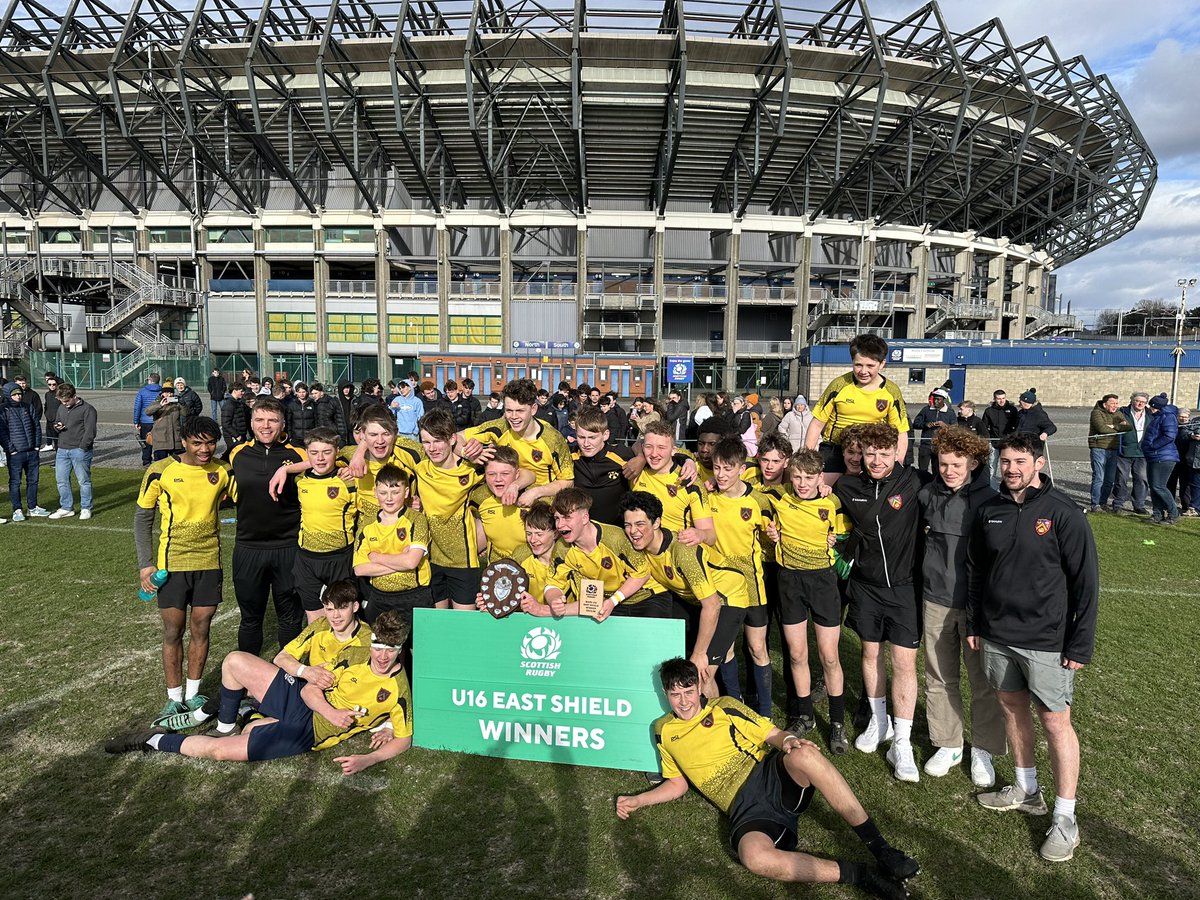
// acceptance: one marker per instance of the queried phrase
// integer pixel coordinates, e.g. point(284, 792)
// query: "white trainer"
point(943, 761)
point(869, 740)
point(62, 514)
point(900, 758)
point(983, 775)
point(85, 514)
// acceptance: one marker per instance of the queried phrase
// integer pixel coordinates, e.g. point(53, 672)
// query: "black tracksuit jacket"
point(885, 552)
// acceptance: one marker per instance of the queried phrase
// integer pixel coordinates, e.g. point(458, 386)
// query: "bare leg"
point(174, 622)
point(245, 670)
point(831, 662)
point(202, 617)
point(807, 765)
point(756, 642)
point(874, 676)
point(313, 614)
point(443, 604)
point(708, 682)
point(235, 747)
point(904, 682)
point(465, 607)
point(762, 857)
point(796, 638)
point(1018, 725)
point(1064, 750)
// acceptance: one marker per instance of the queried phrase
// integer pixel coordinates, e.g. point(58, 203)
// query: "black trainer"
point(897, 864)
point(880, 884)
point(801, 725)
point(838, 742)
point(129, 743)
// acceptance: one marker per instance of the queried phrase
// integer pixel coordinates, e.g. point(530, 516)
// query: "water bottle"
point(158, 579)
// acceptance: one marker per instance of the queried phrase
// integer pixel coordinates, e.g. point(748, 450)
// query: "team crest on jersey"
point(707, 721)
point(746, 513)
point(464, 480)
point(614, 475)
point(607, 562)
point(213, 477)
point(1043, 526)
point(537, 455)
point(332, 492)
point(669, 572)
point(672, 489)
point(383, 694)
point(881, 405)
point(824, 514)
point(895, 501)
point(401, 533)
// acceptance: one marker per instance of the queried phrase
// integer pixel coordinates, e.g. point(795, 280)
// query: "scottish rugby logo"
point(540, 648)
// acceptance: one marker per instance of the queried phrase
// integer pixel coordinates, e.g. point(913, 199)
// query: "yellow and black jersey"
point(409, 530)
point(386, 699)
point(546, 454)
point(844, 404)
point(804, 530)
point(317, 645)
point(695, 573)
point(364, 492)
point(739, 521)
point(540, 573)
point(683, 504)
point(715, 750)
point(328, 511)
point(769, 492)
point(502, 524)
point(443, 494)
point(187, 498)
point(613, 561)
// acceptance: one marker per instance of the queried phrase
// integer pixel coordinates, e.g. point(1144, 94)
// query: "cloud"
point(1162, 99)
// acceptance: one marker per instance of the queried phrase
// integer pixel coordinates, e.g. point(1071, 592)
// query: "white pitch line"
point(1146, 590)
point(89, 680)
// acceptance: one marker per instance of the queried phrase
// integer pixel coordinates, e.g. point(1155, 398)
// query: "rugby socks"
point(879, 711)
point(902, 730)
point(762, 686)
point(804, 706)
point(1064, 807)
point(868, 833)
point(730, 680)
point(175, 693)
point(837, 709)
point(165, 743)
point(227, 713)
point(192, 688)
point(851, 872)
point(1027, 779)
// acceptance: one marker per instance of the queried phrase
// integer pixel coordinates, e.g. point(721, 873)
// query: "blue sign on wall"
point(680, 369)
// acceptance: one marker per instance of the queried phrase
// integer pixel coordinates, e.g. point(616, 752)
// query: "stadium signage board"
point(566, 690)
point(680, 369)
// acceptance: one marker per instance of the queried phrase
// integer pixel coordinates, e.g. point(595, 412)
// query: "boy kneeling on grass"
point(300, 716)
point(763, 779)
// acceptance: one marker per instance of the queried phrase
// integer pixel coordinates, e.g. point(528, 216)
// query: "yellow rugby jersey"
point(844, 404)
point(409, 530)
point(540, 573)
point(683, 504)
point(715, 750)
point(769, 492)
point(693, 573)
point(328, 511)
point(444, 494)
point(187, 498)
point(502, 524)
point(317, 645)
point(804, 530)
point(613, 561)
point(546, 454)
point(386, 698)
point(738, 522)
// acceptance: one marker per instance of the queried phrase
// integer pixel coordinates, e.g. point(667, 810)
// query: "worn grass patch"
point(79, 657)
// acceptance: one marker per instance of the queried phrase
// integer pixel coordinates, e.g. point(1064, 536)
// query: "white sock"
point(1065, 807)
point(879, 710)
point(226, 727)
point(153, 742)
point(175, 693)
point(1027, 779)
point(903, 730)
point(193, 688)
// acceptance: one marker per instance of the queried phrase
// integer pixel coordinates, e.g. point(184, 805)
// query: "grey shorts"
point(1040, 672)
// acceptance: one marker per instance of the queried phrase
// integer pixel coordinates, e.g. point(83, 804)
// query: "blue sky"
point(1151, 51)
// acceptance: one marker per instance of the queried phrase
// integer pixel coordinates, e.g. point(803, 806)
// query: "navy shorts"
point(292, 734)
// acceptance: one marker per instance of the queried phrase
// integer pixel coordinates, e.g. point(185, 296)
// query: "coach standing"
point(1036, 628)
point(264, 553)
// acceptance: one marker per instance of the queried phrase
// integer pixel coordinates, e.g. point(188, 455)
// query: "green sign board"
point(569, 690)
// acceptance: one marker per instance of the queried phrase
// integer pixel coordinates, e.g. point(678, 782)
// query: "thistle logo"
point(540, 647)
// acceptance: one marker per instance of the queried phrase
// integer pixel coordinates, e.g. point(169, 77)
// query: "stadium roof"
point(687, 105)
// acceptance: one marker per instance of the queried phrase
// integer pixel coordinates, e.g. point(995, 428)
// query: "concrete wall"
point(1055, 387)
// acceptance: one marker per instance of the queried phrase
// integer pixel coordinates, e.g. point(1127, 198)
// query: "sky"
point(1151, 51)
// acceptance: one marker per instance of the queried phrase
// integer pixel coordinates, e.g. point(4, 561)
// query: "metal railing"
point(684, 293)
point(840, 334)
point(767, 348)
point(412, 289)
point(959, 335)
point(526, 290)
point(699, 348)
point(626, 330)
point(620, 301)
point(339, 287)
point(482, 290)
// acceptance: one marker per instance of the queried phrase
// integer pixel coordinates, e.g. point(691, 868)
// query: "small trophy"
point(591, 597)
point(502, 584)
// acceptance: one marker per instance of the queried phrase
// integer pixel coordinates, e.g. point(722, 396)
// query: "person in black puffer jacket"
point(1032, 419)
point(329, 411)
point(301, 413)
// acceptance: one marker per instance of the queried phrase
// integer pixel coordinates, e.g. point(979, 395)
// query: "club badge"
point(881, 405)
point(707, 721)
point(537, 455)
point(895, 501)
point(606, 563)
point(824, 514)
point(672, 489)
point(382, 696)
point(213, 477)
point(332, 492)
point(1043, 526)
point(464, 480)
point(669, 572)
point(746, 514)
point(401, 533)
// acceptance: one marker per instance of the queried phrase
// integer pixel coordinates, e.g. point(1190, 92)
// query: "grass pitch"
point(79, 662)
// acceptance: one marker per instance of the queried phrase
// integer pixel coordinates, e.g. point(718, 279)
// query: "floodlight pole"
point(1183, 284)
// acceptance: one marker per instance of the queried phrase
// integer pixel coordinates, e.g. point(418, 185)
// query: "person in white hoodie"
point(795, 423)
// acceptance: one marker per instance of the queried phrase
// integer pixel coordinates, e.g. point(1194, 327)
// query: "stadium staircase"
point(1043, 320)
